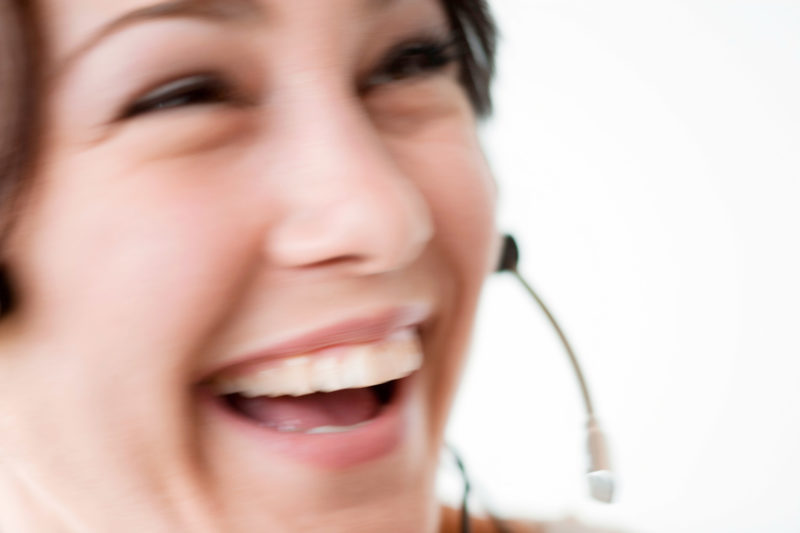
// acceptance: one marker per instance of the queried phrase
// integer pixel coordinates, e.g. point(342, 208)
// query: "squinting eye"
point(200, 89)
point(411, 60)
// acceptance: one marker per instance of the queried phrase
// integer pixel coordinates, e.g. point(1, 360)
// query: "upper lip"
point(356, 330)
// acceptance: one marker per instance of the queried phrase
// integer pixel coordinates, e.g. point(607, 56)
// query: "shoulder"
point(480, 524)
point(570, 525)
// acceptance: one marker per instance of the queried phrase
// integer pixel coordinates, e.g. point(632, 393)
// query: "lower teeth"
point(320, 430)
point(335, 429)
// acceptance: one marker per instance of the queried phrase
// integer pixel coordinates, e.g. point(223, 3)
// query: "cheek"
point(464, 212)
point(461, 193)
point(146, 254)
point(452, 173)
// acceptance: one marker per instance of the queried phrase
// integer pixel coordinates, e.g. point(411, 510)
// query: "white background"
point(648, 155)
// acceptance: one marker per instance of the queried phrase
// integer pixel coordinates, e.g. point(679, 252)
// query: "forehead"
point(68, 22)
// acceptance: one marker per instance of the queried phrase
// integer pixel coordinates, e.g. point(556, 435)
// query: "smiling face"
point(247, 269)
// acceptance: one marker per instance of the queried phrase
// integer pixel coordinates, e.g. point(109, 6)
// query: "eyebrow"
point(213, 10)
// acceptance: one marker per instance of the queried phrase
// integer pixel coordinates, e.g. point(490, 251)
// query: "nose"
point(349, 208)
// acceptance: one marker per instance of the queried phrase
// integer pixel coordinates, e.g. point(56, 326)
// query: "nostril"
point(342, 261)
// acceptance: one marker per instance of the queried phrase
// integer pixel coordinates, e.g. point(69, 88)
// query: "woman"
point(245, 241)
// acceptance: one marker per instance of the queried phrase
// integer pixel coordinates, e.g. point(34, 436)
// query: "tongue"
point(287, 413)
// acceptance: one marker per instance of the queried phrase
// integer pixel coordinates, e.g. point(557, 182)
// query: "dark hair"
point(18, 95)
point(19, 48)
point(474, 27)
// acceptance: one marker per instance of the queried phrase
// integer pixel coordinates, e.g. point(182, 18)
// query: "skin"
point(152, 249)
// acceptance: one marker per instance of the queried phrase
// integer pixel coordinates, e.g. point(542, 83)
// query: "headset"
point(600, 476)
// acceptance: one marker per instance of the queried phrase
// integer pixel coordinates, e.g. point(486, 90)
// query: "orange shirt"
point(451, 523)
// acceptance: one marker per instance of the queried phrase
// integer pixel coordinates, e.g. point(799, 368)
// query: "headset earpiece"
point(509, 255)
point(6, 297)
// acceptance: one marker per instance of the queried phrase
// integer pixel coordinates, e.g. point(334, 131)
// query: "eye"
point(195, 90)
point(414, 59)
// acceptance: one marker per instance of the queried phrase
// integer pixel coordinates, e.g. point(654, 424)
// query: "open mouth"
point(316, 413)
point(335, 390)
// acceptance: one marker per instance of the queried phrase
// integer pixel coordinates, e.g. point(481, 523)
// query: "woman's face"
point(236, 201)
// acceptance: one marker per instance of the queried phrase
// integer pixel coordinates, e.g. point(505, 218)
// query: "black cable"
point(466, 526)
point(465, 523)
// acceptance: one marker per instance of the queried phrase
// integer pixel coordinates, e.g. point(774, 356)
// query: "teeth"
point(356, 366)
point(335, 429)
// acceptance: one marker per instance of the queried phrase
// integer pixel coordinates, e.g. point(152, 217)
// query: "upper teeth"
point(347, 367)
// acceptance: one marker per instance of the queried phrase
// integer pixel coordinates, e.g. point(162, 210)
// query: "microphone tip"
point(601, 485)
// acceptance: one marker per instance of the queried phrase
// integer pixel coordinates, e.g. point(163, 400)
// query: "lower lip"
point(375, 439)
